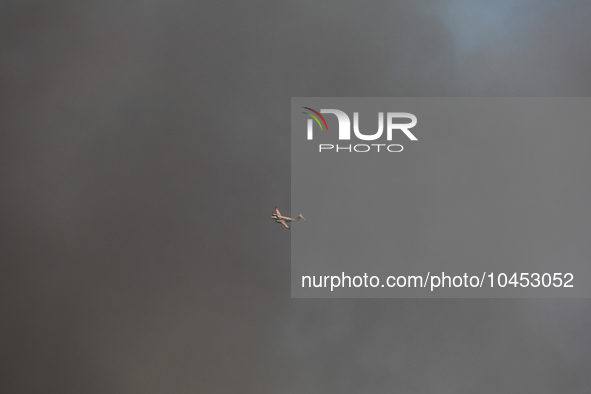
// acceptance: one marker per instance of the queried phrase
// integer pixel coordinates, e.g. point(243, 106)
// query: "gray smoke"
point(143, 147)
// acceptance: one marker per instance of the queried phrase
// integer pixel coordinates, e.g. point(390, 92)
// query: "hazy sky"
point(143, 145)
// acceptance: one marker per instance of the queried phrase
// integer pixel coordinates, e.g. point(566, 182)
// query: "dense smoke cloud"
point(143, 146)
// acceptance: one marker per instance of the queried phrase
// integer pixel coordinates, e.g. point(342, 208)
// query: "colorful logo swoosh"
point(315, 118)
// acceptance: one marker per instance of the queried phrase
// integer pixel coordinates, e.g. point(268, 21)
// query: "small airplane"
point(283, 219)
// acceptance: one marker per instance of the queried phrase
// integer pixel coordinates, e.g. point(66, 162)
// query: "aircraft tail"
point(299, 217)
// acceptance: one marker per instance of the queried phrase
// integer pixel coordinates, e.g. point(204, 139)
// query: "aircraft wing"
point(285, 224)
point(278, 213)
